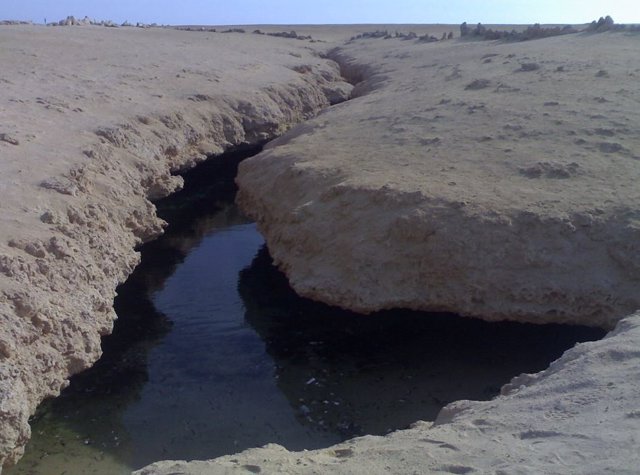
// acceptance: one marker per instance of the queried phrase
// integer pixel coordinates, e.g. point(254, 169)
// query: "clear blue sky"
point(228, 12)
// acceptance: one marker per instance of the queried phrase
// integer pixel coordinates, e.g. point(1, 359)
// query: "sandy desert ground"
point(492, 179)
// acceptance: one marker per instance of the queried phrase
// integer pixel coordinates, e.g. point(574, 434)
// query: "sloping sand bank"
point(94, 120)
point(492, 179)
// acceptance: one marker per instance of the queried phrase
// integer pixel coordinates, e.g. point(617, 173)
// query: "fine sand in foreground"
point(515, 163)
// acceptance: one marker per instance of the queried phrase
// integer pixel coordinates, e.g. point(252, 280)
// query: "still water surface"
point(213, 353)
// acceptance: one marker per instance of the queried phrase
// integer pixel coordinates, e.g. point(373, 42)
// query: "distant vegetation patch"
point(386, 35)
point(280, 34)
point(533, 32)
point(195, 28)
point(234, 30)
point(285, 34)
point(607, 24)
point(15, 22)
point(536, 31)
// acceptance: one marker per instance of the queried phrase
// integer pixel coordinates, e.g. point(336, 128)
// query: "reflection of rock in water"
point(355, 374)
point(205, 203)
point(85, 422)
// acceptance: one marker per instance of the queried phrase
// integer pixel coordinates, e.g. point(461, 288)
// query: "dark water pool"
point(213, 353)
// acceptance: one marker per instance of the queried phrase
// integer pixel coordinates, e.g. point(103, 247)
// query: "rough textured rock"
point(516, 200)
point(97, 121)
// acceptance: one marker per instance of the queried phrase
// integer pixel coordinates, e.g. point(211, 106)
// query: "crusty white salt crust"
point(95, 120)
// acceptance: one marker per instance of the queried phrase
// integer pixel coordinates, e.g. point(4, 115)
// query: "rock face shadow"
point(354, 374)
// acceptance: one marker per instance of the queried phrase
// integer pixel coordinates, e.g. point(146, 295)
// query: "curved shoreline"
point(579, 416)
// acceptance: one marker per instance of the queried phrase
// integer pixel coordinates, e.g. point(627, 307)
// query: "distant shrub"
point(478, 84)
point(372, 34)
point(289, 34)
point(607, 24)
point(426, 38)
point(536, 31)
point(531, 33)
point(603, 24)
point(386, 35)
point(529, 66)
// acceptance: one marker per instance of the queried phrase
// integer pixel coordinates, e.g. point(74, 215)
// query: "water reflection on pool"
point(214, 353)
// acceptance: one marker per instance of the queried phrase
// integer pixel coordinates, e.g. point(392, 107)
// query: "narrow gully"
point(214, 353)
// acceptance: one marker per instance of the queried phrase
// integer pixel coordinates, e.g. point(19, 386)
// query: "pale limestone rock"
point(419, 193)
point(75, 192)
point(425, 193)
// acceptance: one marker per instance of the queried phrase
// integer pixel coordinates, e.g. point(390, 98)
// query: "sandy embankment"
point(94, 121)
point(494, 180)
point(535, 167)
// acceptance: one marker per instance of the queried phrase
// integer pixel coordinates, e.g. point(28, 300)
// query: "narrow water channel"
point(213, 353)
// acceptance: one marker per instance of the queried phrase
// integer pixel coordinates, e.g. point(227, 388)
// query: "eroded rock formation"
point(492, 189)
point(514, 200)
point(117, 115)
